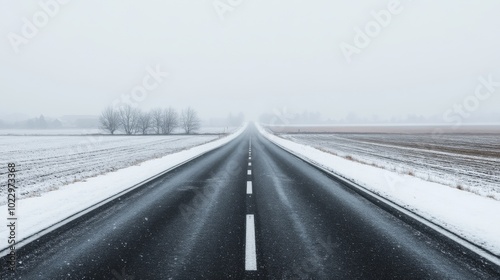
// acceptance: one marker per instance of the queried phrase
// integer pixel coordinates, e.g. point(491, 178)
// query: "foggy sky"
point(263, 56)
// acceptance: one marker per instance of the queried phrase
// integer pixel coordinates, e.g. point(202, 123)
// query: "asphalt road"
point(205, 220)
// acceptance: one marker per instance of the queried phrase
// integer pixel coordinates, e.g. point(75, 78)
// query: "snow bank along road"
point(246, 210)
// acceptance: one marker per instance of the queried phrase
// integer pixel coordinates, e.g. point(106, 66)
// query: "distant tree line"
point(131, 120)
point(42, 123)
point(34, 123)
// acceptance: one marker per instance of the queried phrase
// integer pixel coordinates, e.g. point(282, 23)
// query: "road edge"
point(4, 251)
point(398, 209)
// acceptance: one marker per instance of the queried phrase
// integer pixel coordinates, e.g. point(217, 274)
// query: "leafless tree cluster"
point(131, 120)
point(189, 120)
point(109, 120)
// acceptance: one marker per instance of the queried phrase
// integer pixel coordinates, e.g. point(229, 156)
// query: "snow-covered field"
point(470, 216)
point(45, 163)
point(465, 161)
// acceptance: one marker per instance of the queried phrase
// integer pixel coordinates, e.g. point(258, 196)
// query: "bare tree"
point(144, 122)
point(129, 118)
point(170, 120)
point(109, 120)
point(156, 120)
point(189, 120)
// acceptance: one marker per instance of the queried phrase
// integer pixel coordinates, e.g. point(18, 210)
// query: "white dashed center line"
point(249, 187)
point(250, 251)
point(250, 248)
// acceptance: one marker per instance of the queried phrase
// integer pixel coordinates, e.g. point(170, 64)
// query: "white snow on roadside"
point(37, 213)
point(468, 215)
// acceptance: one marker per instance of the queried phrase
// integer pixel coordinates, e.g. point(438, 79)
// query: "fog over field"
point(291, 61)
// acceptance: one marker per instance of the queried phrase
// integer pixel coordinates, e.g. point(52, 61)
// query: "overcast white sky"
point(264, 55)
